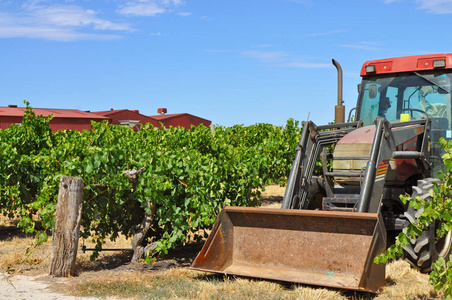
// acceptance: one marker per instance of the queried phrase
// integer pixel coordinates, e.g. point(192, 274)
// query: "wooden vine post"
point(67, 227)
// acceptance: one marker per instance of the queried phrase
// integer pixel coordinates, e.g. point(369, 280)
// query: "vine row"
point(188, 175)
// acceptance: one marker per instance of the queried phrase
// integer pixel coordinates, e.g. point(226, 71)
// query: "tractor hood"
point(352, 153)
point(363, 135)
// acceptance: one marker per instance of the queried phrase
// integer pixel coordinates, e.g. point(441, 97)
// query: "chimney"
point(111, 109)
point(162, 111)
point(12, 105)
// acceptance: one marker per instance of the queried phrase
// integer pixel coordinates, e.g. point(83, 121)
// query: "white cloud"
point(431, 6)
point(75, 16)
point(142, 9)
point(364, 46)
point(435, 6)
point(278, 59)
point(148, 8)
point(51, 33)
point(44, 20)
point(282, 59)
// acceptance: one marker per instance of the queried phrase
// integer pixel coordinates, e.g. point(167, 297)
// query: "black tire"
point(426, 249)
point(316, 192)
point(314, 198)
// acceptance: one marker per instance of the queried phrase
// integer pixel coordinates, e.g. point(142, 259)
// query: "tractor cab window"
point(408, 96)
point(378, 99)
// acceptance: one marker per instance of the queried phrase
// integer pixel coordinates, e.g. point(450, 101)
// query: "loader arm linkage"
point(387, 137)
point(313, 140)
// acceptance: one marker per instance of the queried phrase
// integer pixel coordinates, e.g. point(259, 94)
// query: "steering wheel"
point(415, 109)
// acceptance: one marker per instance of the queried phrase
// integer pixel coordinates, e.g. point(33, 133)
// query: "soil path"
point(18, 287)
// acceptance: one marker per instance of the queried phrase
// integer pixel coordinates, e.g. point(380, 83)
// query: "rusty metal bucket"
point(325, 248)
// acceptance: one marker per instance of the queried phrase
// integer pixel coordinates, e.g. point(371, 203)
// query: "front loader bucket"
point(325, 248)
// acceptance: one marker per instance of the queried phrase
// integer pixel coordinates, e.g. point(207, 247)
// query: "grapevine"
point(188, 175)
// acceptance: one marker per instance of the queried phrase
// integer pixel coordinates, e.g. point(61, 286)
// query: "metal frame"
point(315, 140)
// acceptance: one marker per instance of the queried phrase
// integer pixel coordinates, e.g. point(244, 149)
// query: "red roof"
point(114, 112)
point(80, 120)
point(166, 117)
point(184, 120)
point(64, 119)
point(172, 116)
point(58, 113)
point(124, 114)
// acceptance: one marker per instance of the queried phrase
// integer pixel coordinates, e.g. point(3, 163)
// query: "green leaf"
point(88, 168)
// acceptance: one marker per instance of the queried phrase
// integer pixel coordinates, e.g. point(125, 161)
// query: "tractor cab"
point(400, 92)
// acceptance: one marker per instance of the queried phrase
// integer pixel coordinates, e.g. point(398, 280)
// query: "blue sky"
point(232, 62)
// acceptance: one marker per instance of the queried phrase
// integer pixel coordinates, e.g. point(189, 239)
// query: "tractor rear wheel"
point(426, 248)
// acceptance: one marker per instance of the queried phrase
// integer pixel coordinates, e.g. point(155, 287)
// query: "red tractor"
point(330, 227)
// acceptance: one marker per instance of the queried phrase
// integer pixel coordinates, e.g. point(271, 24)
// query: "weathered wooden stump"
point(67, 227)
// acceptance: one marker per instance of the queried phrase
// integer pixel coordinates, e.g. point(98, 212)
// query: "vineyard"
point(182, 180)
point(185, 176)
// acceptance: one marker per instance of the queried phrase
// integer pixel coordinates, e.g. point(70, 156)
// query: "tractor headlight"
point(439, 63)
point(370, 69)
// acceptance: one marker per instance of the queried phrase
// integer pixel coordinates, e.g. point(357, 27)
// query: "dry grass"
point(100, 278)
point(105, 259)
point(403, 282)
point(272, 196)
point(180, 283)
point(16, 253)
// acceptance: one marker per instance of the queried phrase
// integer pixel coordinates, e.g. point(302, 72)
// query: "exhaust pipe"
point(339, 110)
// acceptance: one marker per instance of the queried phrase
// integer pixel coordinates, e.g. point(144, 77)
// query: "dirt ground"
point(30, 280)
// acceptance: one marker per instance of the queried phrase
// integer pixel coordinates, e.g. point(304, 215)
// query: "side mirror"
point(372, 91)
point(359, 88)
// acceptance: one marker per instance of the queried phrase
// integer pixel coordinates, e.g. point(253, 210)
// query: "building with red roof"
point(63, 118)
point(183, 120)
point(131, 118)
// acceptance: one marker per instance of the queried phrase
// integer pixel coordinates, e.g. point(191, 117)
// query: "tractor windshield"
point(406, 96)
point(410, 96)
